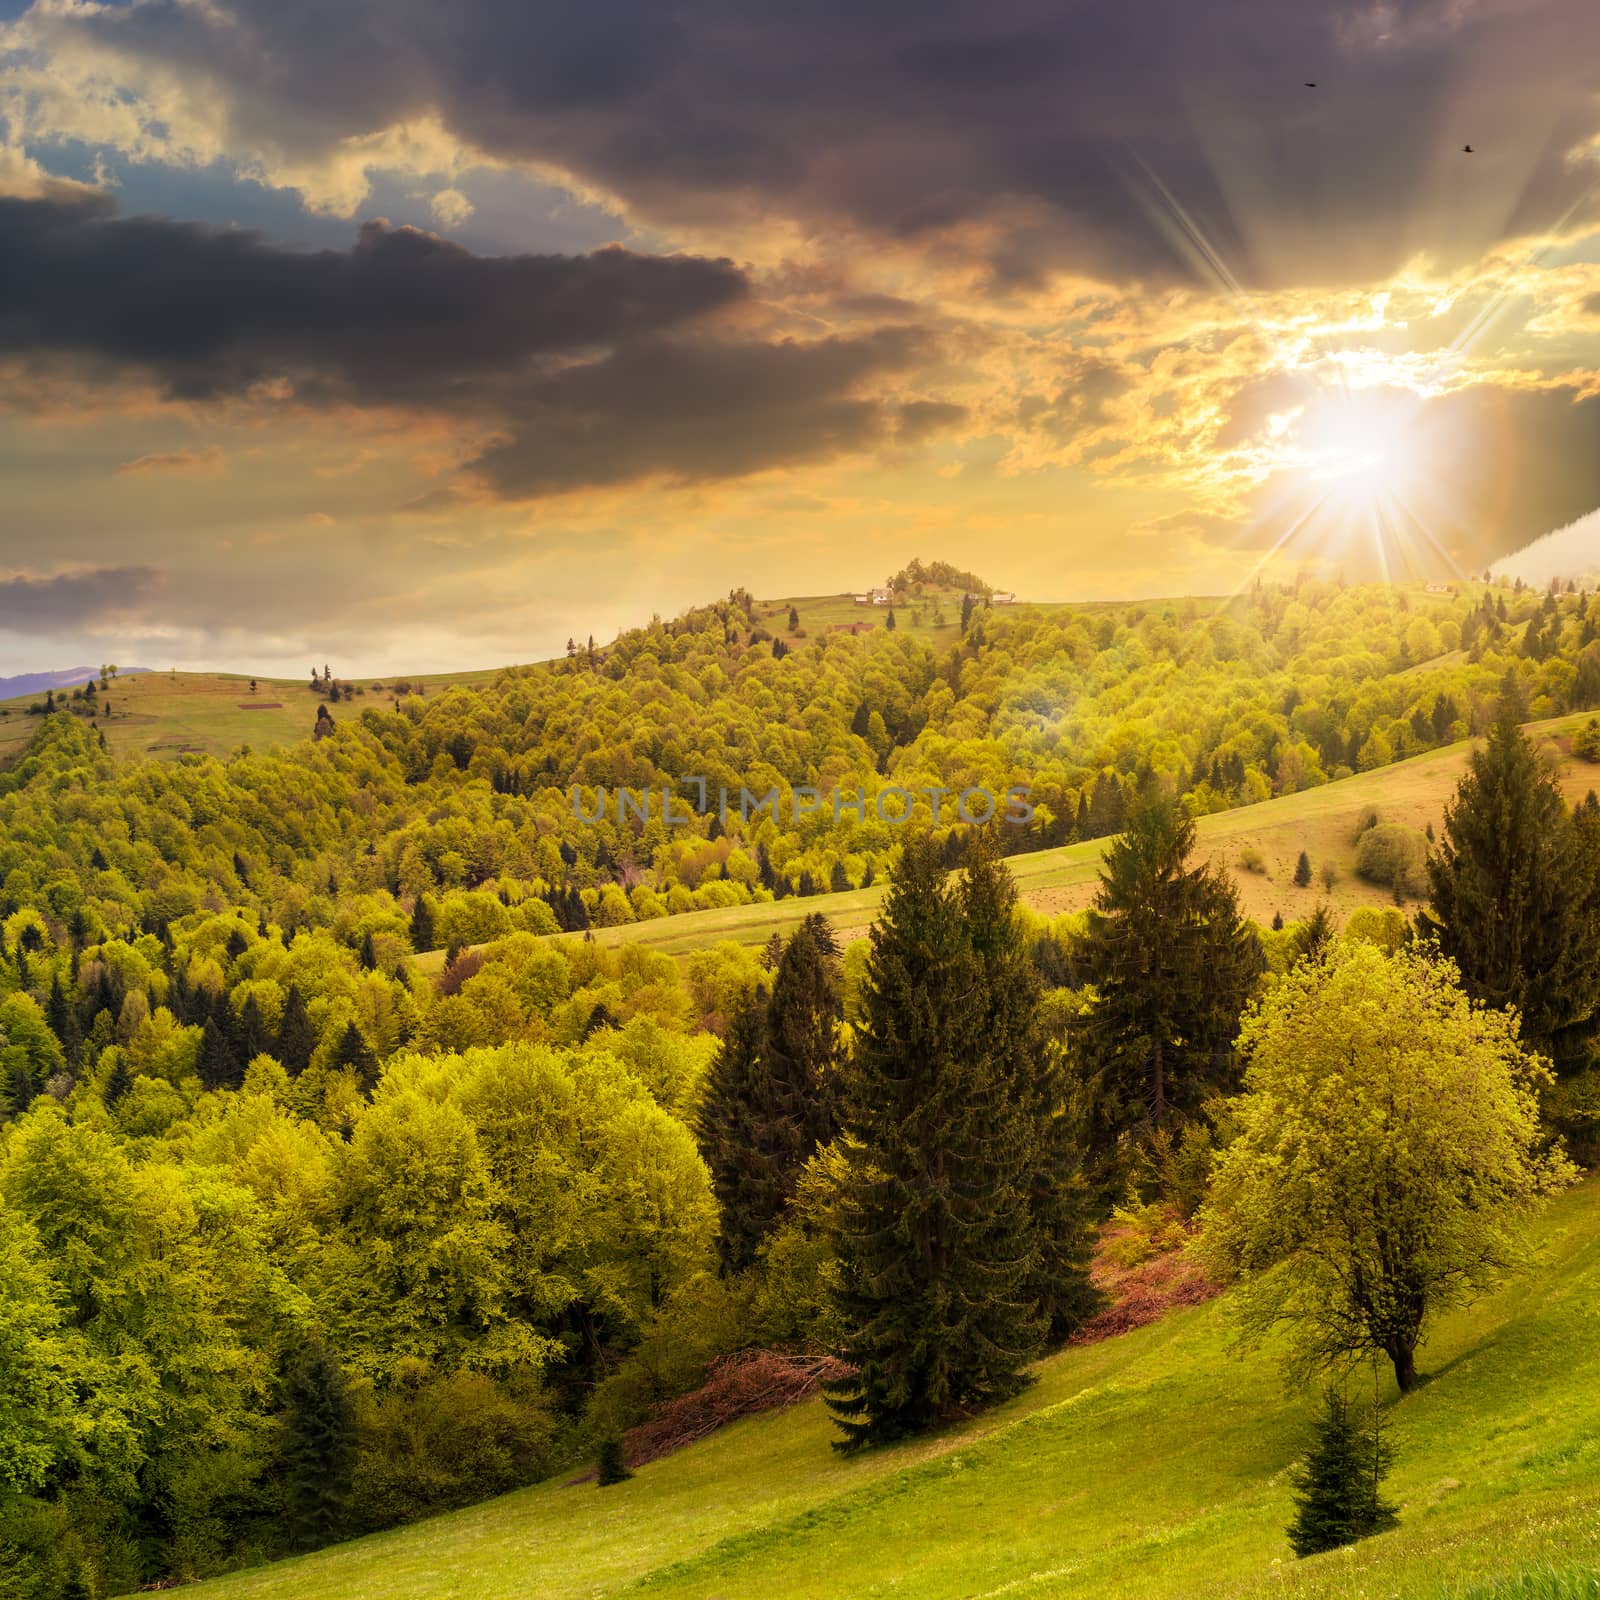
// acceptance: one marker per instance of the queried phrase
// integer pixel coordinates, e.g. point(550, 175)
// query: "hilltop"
point(1151, 1464)
point(67, 678)
point(165, 715)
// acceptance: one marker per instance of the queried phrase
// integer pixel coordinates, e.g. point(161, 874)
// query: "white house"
point(1003, 597)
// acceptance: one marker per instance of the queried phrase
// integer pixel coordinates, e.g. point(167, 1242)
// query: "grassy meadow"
point(1155, 1463)
point(165, 715)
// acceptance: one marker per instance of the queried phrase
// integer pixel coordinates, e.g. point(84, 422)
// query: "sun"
point(1355, 456)
point(1359, 483)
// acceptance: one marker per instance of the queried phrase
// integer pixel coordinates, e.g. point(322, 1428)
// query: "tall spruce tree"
point(252, 1031)
point(1173, 965)
point(297, 1039)
point(354, 1052)
point(932, 1223)
point(62, 1016)
point(422, 925)
point(770, 1095)
point(1029, 1069)
point(1514, 896)
point(218, 1067)
point(319, 1442)
point(118, 1081)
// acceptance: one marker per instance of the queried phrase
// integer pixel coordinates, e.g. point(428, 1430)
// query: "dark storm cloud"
point(1045, 120)
point(597, 369)
point(43, 605)
point(401, 315)
point(691, 412)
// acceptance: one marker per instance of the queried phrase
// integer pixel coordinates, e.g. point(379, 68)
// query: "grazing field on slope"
point(1324, 822)
point(165, 715)
point(1155, 1464)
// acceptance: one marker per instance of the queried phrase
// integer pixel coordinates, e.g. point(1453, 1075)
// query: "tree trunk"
point(1403, 1355)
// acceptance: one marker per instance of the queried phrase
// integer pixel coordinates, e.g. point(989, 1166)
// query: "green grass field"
point(164, 715)
point(1154, 1464)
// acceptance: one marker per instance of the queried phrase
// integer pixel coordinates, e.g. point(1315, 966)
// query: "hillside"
point(1151, 1464)
point(165, 715)
point(1324, 822)
point(27, 683)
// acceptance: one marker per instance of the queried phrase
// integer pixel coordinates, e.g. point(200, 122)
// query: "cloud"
point(80, 599)
point(209, 459)
point(450, 208)
point(691, 412)
point(1016, 132)
point(588, 370)
point(214, 312)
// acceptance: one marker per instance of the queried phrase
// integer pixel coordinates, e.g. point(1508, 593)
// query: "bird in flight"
point(1467, 150)
point(1311, 86)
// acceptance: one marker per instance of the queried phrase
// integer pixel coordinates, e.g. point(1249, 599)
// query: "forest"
point(300, 1240)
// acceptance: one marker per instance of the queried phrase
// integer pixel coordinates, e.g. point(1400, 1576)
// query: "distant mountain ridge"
point(69, 678)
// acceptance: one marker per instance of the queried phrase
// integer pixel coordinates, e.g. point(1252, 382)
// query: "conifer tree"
point(1028, 1071)
point(612, 1467)
point(218, 1066)
point(1173, 964)
point(932, 1226)
point(770, 1095)
point(422, 927)
point(1337, 1489)
point(1316, 935)
point(118, 1082)
point(252, 1031)
point(368, 955)
point(1513, 896)
point(297, 1039)
point(1302, 871)
point(356, 1053)
point(62, 1016)
point(319, 1442)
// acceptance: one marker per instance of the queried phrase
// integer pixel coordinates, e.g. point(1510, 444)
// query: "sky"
point(411, 336)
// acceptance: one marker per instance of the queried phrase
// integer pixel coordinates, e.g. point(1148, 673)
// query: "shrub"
point(1587, 744)
point(431, 1443)
point(1251, 860)
point(1395, 856)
